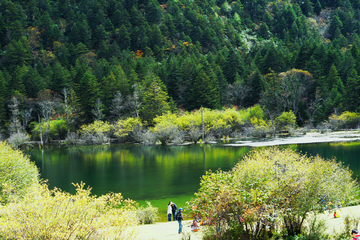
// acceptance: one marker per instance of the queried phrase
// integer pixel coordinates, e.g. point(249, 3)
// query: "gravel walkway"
point(168, 231)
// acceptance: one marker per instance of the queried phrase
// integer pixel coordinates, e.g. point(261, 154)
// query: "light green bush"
point(98, 132)
point(270, 186)
point(54, 214)
point(97, 127)
point(285, 121)
point(148, 214)
point(128, 128)
point(250, 113)
point(17, 174)
point(347, 120)
point(57, 129)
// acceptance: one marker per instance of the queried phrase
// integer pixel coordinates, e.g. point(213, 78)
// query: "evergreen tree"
point(110, 85)
point(33, 82)
point(317, 8)
point(233, 64)
point(314, 67)
point(272, 61)
point(99, 35)
point(49, 31)
point(268, 19)
point(294, 31)
point(333, 102)
point(18, 53)
point(155, 101)
point(3, 96)
point(109, 27)
point(123, 38)
point(353, 92)
point(264, 31)
point(335, 24)
point(60, 78)
point(203, 93)
point(306, 7)
point(87, 91)
point(257, 86)
point(16, 83)
point(153, 11)
point(80, 33)
point(334, 81)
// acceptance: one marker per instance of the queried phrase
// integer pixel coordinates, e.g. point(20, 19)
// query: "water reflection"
point(156, 172)
point(139, 172)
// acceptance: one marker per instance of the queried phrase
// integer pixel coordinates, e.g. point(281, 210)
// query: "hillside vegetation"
point(78, 61)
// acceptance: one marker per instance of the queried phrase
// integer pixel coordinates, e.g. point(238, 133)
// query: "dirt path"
point(337, 224)
point(169, 230)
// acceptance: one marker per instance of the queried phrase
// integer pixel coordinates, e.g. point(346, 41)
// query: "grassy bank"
point(161, 204)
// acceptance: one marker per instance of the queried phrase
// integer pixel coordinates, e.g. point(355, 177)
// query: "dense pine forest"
point(86, 60)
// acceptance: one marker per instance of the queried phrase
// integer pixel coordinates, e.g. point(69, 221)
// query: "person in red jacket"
point(355, 234)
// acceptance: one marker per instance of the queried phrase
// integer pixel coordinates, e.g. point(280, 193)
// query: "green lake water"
point(156, 173)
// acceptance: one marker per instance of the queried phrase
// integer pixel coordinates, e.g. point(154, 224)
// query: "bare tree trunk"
point(272, 123)
point(202, 121)
point(65, 92)
point(41, 136)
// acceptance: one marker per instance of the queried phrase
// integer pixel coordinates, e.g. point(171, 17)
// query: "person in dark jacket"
point(355, 234)
point(173, 208)
point(179, 217)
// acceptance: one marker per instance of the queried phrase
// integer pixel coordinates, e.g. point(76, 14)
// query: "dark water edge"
point(158, 174)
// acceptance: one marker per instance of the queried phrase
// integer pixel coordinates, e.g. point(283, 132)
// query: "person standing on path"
point(173, 208)
point(179, 217)
point(355, 234)
point(169, 211)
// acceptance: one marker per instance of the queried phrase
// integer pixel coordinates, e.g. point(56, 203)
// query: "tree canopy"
point(198, 51)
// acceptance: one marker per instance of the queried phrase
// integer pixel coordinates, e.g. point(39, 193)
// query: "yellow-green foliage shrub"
point(97, 132)
point(246, 115)
point(285, 121)
point(53, 214)
point(148, 214)
point(260, 127)
point(218, 122)
point(57, 129)
point(124, 128)
point(17, 174)
point(96, 128)
point(345, 120)
point(271, 182)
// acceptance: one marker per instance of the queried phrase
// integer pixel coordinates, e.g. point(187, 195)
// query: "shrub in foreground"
point(148, 214)
point(17, 174)
point(54, 214)
point(270, 188)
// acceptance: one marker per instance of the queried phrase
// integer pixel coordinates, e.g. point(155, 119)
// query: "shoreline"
point(308, 138)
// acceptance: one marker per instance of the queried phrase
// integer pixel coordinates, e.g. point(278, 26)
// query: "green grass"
point(161, 204)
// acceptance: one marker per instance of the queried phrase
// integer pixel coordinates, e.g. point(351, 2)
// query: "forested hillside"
point(108, 59)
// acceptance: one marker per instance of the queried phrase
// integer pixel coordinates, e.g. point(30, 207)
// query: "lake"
point(156, 173)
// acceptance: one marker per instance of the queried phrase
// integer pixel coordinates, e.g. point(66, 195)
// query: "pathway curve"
point(168, 230)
